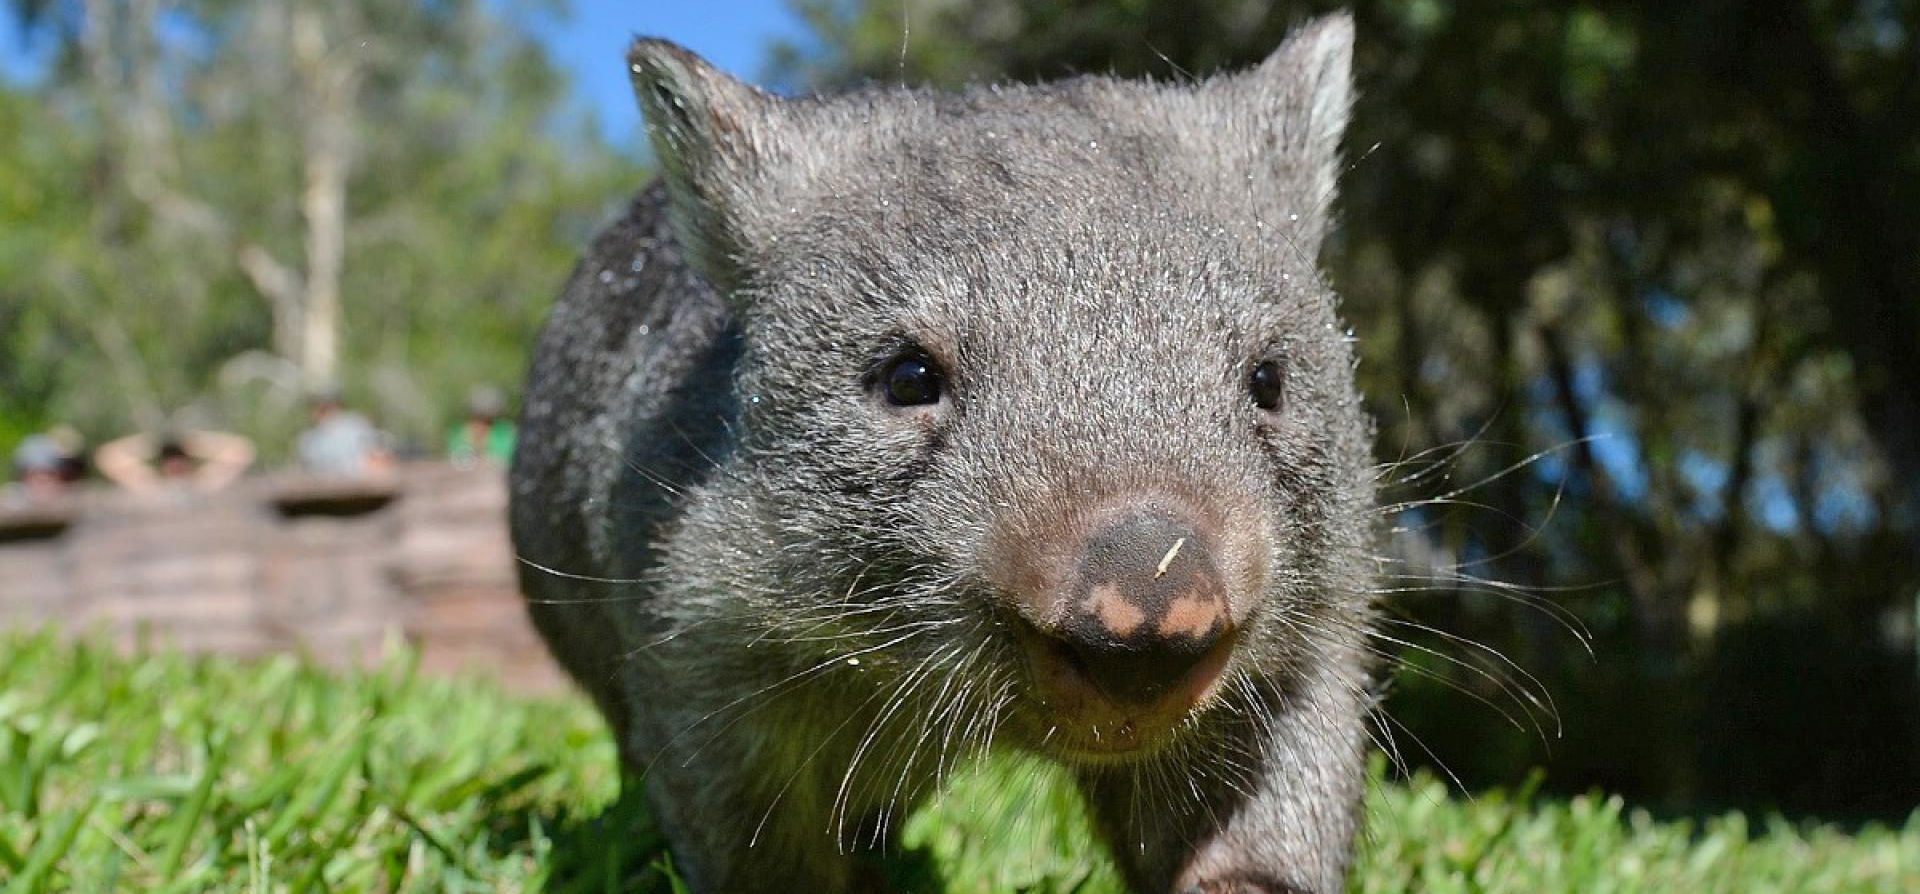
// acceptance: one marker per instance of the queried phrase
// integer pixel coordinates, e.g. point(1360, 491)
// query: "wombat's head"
point(1041, 389)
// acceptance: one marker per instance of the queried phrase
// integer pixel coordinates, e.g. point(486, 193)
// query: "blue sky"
point(589, 44)
point(18, 61)
point(733, 34)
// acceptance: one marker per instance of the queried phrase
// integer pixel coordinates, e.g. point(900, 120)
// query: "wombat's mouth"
point(1082, 720)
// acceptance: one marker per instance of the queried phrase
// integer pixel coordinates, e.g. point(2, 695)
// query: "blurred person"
point(341, 443)
point(73, 452)
point(487, 433)
point(41, 467)
point(197, 460)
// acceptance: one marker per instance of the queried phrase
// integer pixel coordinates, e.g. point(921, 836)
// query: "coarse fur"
point(790, 598)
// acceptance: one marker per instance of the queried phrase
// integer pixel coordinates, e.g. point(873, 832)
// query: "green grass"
point(175, 774)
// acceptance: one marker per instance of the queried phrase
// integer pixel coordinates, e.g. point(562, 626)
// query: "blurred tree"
point(1665, 256)
point(37, 187)
point(278, 196)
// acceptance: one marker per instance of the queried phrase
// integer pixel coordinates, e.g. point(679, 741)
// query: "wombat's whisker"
point(1510, 469)
point(985, 724)
point(710, 465)
point(1318, 209)
point(1521, 694)
point(1198, 769)
point(567, 575)
point(1386, 724)
point(653, 478)
point(911, 752)
point(898, 698)
point(846, 607)
point(1394, 659)
point(901, 694)
point(1450, 453)
point(1378, 732)
point(946, 715)
point(1431, 502)
point(662, 640)
point(807, 762)
point(952, 735)
point(1449, 580)
point(1229, 761)
point(761, 696)
point(1451, 499)
point(1527, 688)
point(1451, 574)
point(666, 638)
point(1533, 688)
point(862, 633)
point(888, 603)
point(956, 742)
point(1445, 770)
point(1390, 746)
point(1453, 577)
point(834, 627)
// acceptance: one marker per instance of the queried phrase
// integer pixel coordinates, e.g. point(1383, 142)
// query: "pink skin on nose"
point(1115, 612)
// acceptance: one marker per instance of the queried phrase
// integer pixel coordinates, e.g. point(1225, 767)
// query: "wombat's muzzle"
point(1129, 624)
point(1147, 605)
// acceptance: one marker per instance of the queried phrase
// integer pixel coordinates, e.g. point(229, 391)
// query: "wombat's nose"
point(1148, 605)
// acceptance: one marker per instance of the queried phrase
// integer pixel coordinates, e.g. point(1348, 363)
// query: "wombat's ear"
point(714, 137)
point(1299, 100)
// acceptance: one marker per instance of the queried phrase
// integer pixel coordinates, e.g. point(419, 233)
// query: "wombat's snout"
point(1146, 606)
point(1127, 614)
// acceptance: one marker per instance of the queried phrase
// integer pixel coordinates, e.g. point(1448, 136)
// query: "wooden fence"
point(284, 563)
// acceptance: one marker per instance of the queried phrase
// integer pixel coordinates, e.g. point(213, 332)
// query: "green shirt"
point(499, 442)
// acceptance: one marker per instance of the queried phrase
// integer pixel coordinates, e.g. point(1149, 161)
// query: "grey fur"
point(778, 589)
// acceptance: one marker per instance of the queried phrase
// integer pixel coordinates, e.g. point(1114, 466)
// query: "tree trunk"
point(1863, 242)
point(328, 82)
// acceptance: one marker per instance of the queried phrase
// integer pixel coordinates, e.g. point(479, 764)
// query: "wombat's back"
point(624, 410)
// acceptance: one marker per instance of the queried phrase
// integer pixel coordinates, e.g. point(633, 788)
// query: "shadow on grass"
point(619, 850)
point(614, 849)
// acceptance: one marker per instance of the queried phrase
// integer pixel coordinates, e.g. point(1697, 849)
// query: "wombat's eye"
point(911, 380)
point(1266, 382)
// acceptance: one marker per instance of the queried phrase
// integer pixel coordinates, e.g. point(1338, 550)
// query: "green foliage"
point(37, 186)
point(170, 199)
point(181, 774)
point(168, 773)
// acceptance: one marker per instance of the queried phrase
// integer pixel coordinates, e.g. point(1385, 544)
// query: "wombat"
point(897, 427)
